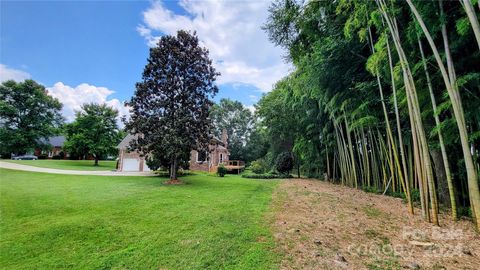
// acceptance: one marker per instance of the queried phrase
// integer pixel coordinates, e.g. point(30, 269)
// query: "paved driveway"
point(21, 167)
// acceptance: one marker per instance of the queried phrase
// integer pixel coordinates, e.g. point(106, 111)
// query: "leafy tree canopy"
point(94, 132)
point(374, 77)
point(27, 114)
point(171, 105)
point(237, 121)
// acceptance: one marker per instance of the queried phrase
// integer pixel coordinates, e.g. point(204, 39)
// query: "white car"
point(25, 157)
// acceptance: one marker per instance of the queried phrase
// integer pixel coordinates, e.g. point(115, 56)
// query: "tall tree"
point(27, 114)
point(352, 86)
point(94, 132)
point(171, 105)
point(236, 119)
point(452, 88)
point(257, 144)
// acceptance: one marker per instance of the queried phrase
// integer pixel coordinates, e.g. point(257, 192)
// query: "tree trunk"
point(173, 169)
point(328, 165)
point(96, 160)
point(446, 164)
point(472, 17)
point(334, 167)
point(298, 169)
point(443, 193)
point(350, 146)
point(452, 89)
point(397, 117)
point(417, 119)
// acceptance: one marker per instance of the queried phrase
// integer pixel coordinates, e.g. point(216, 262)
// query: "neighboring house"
point(55, 147)
point(130, 161)
point(199, 161)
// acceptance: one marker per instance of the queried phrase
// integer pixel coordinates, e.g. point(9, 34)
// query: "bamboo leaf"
point(444, 106)
point(463, 26)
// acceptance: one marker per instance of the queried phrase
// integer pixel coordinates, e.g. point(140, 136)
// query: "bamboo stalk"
point(452, 89)
point(412, 95)
point(440, 136)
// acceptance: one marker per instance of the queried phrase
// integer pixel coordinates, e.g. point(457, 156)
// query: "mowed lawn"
point(80, 165)
point(99, 222)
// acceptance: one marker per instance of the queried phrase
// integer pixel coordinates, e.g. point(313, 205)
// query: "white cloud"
point(7, 73)
point(231, 30)
point(73, 98)
point(251, 108)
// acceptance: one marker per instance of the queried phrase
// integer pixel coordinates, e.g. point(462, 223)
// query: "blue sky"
point(96, 50)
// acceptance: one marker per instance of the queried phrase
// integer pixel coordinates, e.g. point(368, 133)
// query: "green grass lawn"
point(98, 222)
point(81, 165)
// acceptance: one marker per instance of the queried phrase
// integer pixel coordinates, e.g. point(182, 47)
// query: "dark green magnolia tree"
point(171, 105)
point(237, 121)
point(27, 114)
point(94, 132)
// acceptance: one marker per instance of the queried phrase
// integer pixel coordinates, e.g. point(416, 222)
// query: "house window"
point(221, 158)
point(201, 156)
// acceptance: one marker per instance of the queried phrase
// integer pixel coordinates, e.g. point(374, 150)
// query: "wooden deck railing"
point(238, 163)
point(231, 165)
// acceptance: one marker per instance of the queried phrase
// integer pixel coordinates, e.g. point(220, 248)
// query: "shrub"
point(284, 175)
point(284, 163)
point(265, 176)
point(56, 157)
point(42, 156)
point(372, 190)
point(258, 166)
point(415, 195)
point(464, 212)
point(259, 176)
point(221, 171)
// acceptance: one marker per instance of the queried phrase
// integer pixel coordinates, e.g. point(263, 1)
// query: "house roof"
point(221, 147)
point(126, 141)
point(216, 140)
point(55, 141)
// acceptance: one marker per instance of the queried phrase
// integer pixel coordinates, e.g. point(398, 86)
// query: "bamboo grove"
point(383, 95)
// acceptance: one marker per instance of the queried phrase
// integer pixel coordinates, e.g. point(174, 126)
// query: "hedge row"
point(265, 176)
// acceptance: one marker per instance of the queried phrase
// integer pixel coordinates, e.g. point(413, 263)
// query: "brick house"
point(55, 147)
point(217, 154)
point(208, 161)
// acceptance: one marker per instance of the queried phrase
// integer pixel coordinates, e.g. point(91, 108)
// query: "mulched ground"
point(174, 182)
point(318, 225)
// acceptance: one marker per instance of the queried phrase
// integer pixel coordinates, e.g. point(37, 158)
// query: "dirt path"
point(21, 167)
point(324, 226)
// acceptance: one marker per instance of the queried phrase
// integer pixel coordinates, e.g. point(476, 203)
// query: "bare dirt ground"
point(318, 225)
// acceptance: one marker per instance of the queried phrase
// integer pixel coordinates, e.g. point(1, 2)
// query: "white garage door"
point(145, 167)
point(131, 165)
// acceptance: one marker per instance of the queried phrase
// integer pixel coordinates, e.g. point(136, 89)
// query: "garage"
point(131, 165)
point(145, 167)
point(130, 161)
